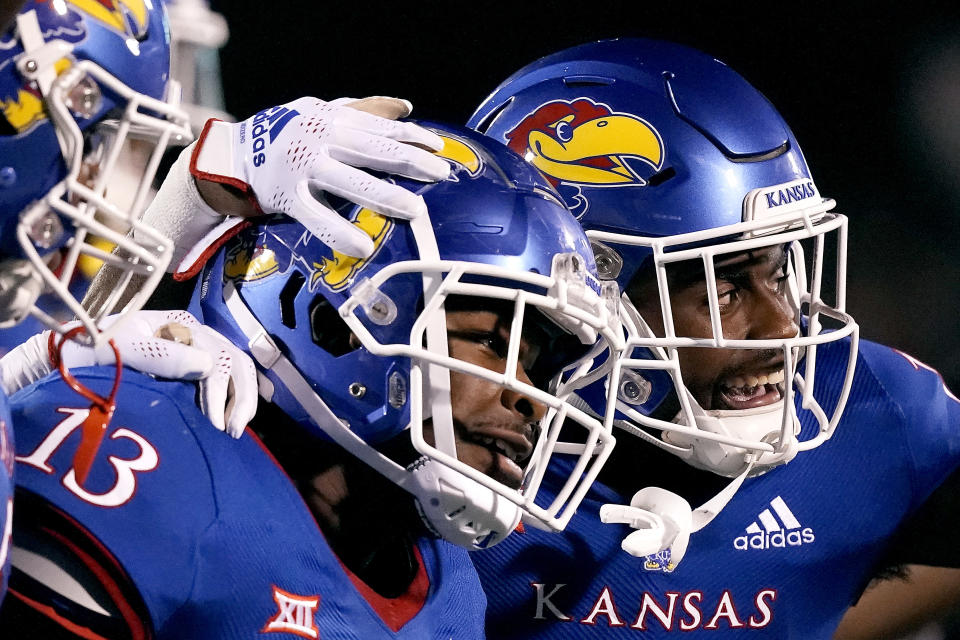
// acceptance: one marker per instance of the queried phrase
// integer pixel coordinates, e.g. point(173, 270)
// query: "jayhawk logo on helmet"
point(339, 271)
point(585, 143)
point(461, 153)
point(256, 258)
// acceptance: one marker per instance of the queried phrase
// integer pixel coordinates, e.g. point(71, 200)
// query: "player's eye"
point(727, 294)
point(492, 341)
point(780, 279)
point(564, 131)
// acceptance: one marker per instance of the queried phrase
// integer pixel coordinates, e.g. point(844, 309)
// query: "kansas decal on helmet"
point(585, 143)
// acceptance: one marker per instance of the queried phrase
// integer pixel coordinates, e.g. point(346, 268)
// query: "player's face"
point(494, 426)
point(753, 304)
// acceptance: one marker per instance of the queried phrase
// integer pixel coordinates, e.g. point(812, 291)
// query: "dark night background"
point(871, 90)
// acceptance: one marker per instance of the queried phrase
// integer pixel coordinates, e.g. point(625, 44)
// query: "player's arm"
point(922, 573)
point(289, 159)
point(931, 413)
point(924, 538)
point(918, 576)
point(893, 608)
point(164, 344)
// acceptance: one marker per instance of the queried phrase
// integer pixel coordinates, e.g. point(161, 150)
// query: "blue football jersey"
point(784, 559)
point(210, 533)
point(6, 490)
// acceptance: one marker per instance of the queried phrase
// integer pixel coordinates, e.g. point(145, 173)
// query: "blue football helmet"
point(88, 110)
point(357, 348)
point(667, 156)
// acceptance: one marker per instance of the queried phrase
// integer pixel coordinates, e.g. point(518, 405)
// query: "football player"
point(77, 84)
point(808, 465)
point(83, 83)
point(416, 393)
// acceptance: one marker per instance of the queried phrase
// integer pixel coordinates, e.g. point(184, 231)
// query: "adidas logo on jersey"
point(774, 531)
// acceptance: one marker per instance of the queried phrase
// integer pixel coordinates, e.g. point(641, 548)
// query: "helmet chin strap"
point(730, 460)
point(664, 520)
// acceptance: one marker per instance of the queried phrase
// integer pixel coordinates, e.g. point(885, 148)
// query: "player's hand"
point(288, 158)
point(165, 344)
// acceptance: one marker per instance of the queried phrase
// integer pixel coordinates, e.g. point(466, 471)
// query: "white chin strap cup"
point(459, 509)
point(662, 520)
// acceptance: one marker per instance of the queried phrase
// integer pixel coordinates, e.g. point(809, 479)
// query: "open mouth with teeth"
point(504, 454)
point(748, 391)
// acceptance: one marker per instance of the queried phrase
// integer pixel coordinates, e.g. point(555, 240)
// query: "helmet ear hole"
point(6, 129)
point(661, 176)
point(328, 330)
point(288, 295)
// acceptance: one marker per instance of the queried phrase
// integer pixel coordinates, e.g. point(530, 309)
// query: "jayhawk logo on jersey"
point(659, 561)
point(585, 143)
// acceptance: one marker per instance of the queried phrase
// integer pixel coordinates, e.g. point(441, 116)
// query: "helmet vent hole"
point(587, 81)
point(327, 328)
point(287, 297)
point(486, 122)
point(6, 129)
point(661, 176)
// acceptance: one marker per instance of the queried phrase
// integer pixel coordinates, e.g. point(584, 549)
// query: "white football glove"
point(165, 344)
point(288, 157)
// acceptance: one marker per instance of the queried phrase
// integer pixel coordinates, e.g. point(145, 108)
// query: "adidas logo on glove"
point(774, 531)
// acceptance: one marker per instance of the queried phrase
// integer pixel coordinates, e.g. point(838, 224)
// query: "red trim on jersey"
point(113, 589)
point(86, 534)
point(198, 264)
point(44, 610)
point(134, 624)
point(395, 612)
point(270, 455)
